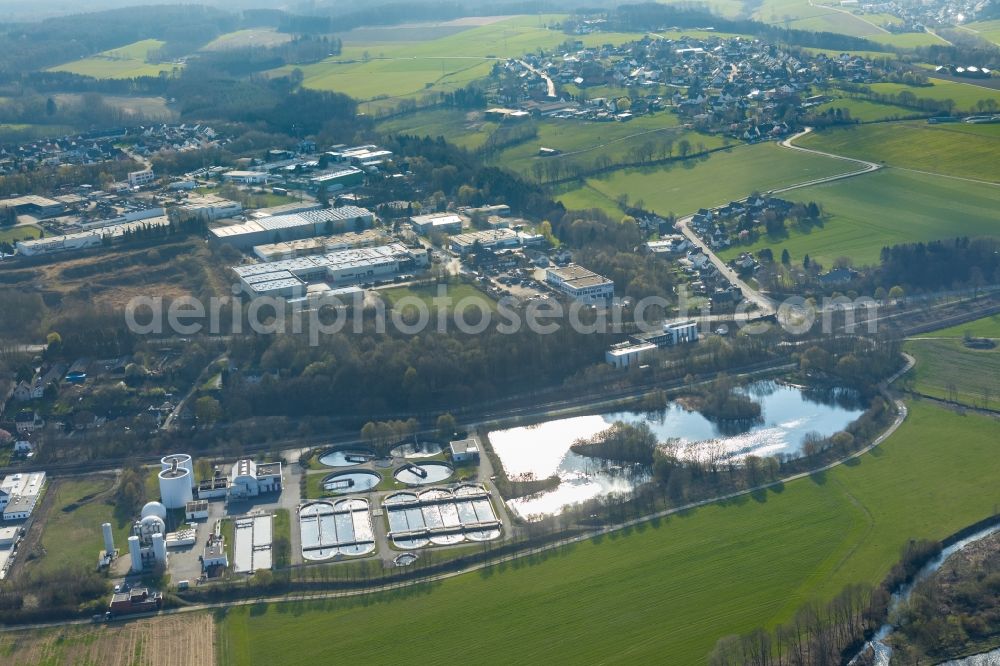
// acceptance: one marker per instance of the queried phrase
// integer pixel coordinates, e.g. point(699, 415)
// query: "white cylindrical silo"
point(182, 460)
point(136, 553)
point(109, 539)
point(159, 548)
point(175, 487)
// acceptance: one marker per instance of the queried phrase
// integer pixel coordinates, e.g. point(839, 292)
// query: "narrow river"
point(882, 651)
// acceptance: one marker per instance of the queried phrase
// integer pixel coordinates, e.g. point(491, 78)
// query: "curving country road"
point(764, 304)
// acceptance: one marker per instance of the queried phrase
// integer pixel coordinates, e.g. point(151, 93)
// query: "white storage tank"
point(159, 548)
point(182, 460)
point(175, 487)
point(153, 509)
point(109, 539)
point(136, 553)
point(149, 526)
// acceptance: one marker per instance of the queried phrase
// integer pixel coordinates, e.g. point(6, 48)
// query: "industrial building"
point(147, 546)
point(319, 245)
point(19, 493)
point(83, 240)
point(34, 205)
point(211, 207)
point(250, 479)
point(214, 556)
point(136, 600)
point(140, 178)
point(626, 355)
point(672, 334)
point(343, 267)
point(306, 224)
point(246, 177)
point(338, 179)
point(581, 284)
point(445, 223)
point(465, 450)
point(493, 239)
point(196, 510)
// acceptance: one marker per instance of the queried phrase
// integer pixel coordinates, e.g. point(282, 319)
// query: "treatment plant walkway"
point(374, 589)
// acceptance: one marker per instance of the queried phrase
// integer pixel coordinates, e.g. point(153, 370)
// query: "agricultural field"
point(685, 187)
point(581, 143)
point(23, 232)
point(948, 370)
point(14, 132)
point(988, 30)
point(127, 62)
point(889, 207)
point(954, 149)
point(965, 95)
point(258, 37)
point(864, 110)
point(398, 70)
point(717, 570)
point(157, 641)
point(152, 108)
point(467, 129)
point(71, 537)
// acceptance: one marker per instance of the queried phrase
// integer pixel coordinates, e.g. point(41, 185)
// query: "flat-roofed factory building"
point(278, 228)
point(340, 268)
point(493, 239)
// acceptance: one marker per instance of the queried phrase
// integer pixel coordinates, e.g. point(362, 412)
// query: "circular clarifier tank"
point(418, 450)
point(424, 473)
point(343, 483)
point(346, 457)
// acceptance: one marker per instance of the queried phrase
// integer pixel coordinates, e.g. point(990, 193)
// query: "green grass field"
point(988, 30)
point(666, 591)
point(26, 232)
point(965, 95)
point(885, 208)
point(255, 37)
point(456, 291)
point(582, 142)
point(465, 129)
point(723, 176)
point(863, 110)
point(154, 108)
point(400, 70)
point(126, 62)
point(987, 327)
point(955, 149)
point(949, 370)
point(72, 532)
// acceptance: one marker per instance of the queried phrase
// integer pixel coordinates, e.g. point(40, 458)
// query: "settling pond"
point(788, 414)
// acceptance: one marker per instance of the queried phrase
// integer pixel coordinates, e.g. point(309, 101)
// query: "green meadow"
point(955, 149)
point(462, 128)
point(988, 30)
point(395, 70)
point(126, 62)
point(948, 370)
point(869, 212)
point(667, 590)
point(686, 186)
point(24, 232)
point(965, 95)
point(987, 327)
point(71, 536)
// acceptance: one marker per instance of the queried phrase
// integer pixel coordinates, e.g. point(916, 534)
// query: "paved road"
point(764, 304)
point(549, 84)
